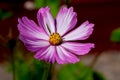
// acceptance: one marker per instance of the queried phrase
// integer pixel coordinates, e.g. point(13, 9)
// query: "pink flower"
point(54, 40)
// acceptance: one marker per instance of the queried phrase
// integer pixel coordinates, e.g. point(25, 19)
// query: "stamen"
point(55, 39)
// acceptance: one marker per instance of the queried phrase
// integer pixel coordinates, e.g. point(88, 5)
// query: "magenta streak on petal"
point(29, 29)
point(46, 20)
point(66, 20)
point(34, 45)
point(80, 33)
point(69, 56)
point(41, 52)
point(57, 58)
point(47, 54)
point(29, 24)
point(65, 56)
point(78, 48)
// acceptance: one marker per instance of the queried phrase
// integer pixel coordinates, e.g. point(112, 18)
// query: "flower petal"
point(34, 45)
point(64, 56)
point(80, 33)
point(46, 20)
point(47, 54)
point(66, 20)
point(78, 48)
point(31, 30)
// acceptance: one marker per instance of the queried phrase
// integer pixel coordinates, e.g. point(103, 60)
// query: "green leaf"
point(115, 35)
point(5, 15)
point(75, 72)
point(78, 71)
point(37, 70)
point(39, 3)
point(22, 70)
point(98, 76)
point(53, 4)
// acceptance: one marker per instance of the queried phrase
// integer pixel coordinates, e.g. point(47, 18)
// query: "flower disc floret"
point(55, 39)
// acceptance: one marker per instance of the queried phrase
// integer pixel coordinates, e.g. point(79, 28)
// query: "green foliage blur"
point(115, 35)
point(26, 67)
point(5, 15)
point(78, 71)
point(53, 4)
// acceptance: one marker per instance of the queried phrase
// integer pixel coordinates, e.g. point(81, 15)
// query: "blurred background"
point(102, 63)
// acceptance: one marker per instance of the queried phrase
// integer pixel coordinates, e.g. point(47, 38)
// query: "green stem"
point(95, 59)
point(11, 45)
point(13, 64)
point(47, 72)
point(54, 72)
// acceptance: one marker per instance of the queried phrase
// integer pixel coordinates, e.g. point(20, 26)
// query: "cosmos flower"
point(55, 40)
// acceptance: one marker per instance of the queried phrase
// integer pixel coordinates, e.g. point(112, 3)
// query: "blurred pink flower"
point(55, 40)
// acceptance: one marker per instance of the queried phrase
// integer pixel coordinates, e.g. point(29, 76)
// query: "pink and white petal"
point(28, 28)
point(80, 33)
point(47, 54)
point(34, 45)
point(64, 56)
point(46, 20)
point(66, 20)
point(78, 48)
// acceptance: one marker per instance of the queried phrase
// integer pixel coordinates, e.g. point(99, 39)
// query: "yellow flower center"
point(55, 39)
